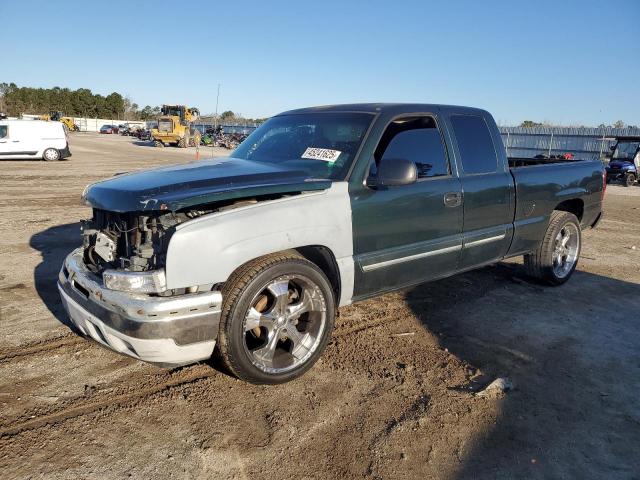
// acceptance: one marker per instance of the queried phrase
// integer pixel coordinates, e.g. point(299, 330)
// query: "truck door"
point(488, 191)
point(410, 233)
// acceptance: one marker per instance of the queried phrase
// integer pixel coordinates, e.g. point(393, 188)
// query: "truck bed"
point(545, 186)
point(527, 162)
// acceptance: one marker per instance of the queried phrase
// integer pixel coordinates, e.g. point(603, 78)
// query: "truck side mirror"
point(393, 172)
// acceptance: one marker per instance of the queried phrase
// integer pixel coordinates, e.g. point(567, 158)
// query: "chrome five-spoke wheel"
point(277, 317)
point(565, 253)
point(555, 258)
point(284, 324)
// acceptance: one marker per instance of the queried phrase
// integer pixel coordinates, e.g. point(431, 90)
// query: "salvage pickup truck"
point(316, 209)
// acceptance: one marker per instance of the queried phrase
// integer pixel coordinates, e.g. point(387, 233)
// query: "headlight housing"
point(137, 282)
point(83, 197)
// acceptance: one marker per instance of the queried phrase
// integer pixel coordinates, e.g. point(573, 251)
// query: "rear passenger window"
point(416, 139)
point(475, 144)
point(3, 131)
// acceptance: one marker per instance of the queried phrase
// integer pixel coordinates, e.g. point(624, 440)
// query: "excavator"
point(175, 127)
point(56, 116)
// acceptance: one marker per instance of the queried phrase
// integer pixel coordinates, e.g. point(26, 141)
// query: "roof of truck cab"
point(395, 108)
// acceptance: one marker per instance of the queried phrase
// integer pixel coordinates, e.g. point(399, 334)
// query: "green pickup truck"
point(252, 255)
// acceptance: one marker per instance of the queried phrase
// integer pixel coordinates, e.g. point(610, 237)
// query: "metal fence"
point(583, 143)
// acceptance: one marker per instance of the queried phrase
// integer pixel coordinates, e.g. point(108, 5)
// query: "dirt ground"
point(394, 395)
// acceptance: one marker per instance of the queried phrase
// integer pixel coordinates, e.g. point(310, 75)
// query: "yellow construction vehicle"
point(56, 116)
point(175, 127)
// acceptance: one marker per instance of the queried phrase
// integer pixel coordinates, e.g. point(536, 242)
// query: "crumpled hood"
point(179, 186)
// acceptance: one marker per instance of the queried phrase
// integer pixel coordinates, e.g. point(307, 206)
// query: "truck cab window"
point(3, 131)
point(475, 145)
point(417, 139)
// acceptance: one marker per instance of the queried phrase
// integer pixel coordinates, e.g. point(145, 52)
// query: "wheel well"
point(326, 261)
point(575, 206)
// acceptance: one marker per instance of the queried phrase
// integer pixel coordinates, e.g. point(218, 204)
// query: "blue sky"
point(568, 62)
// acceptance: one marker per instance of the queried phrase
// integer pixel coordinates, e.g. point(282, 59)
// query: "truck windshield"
point(321, 144)
point(626, 150)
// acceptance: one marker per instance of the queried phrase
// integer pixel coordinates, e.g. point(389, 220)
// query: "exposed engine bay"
point(136, 241)
point(127, 241)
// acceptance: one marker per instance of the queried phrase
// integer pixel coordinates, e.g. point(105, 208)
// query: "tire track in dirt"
point(41, 346)
point(389, 318)
point(136, 389)
point(407, 414)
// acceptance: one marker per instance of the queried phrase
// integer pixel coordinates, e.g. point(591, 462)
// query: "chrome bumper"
point(163, 330)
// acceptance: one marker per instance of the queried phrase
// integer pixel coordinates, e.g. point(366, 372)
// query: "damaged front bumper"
point(169, 331)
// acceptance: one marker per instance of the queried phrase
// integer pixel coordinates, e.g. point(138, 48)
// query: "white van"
point(33, 139)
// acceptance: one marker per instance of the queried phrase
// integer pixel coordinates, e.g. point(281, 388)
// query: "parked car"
point(625, 161)
point(33, 139)
point(316, 209)
point(109, 129)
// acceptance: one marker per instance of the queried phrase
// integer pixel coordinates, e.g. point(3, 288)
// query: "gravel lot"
point(394, 395)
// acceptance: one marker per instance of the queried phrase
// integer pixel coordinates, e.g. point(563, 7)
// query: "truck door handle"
point(453, 199)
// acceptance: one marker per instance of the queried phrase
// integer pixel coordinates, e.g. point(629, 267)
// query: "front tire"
point(556, 258)
point(277, 316)
point(51, 155)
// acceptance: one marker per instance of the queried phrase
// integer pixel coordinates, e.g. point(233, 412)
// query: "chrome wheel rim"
point(565, 252)
point(284, 324)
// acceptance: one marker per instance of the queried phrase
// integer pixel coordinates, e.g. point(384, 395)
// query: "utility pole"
point(216, 114)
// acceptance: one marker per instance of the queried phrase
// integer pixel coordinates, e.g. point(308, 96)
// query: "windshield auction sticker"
point(325, 154)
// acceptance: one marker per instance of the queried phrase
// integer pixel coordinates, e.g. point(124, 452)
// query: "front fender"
point(208, 249)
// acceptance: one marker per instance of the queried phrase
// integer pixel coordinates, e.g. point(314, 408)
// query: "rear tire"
point(51, 155)
point(629, 180)
point(556, 257)
point(277, 317)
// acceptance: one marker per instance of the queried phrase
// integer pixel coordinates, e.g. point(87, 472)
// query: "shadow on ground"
point(54, 244)
point(573, 356)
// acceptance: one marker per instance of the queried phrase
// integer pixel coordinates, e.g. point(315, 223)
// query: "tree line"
point(15, 100)
point(74, 103)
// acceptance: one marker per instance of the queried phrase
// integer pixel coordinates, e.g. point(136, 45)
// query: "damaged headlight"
point(83, 197)
point(137, 282)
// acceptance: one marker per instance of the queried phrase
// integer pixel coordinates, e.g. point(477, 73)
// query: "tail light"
point(604, 183)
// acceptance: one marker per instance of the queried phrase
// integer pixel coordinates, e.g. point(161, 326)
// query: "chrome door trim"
point(386, 263)
point(482, 241)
